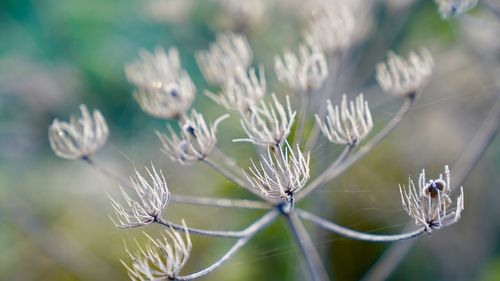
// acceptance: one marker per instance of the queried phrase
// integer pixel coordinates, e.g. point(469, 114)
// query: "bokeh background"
point(54, 213)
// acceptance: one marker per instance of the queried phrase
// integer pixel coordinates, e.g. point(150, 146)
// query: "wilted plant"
point(282, 175)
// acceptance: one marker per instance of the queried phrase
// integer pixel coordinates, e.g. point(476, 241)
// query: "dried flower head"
point(331, 29)
point(242, 14)
point(162, 259)
point(153, 197)
point(405, 77)
point(451, 8)
point(348, 124)
point(79, 138)
point(282, 174)
point(430, 205)
point(165, 90)
point(195, 142)
point(224, 58)
point(242, 91)
point(268, 125)
point(304, 72)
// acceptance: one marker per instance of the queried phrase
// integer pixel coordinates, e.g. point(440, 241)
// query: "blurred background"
point(54, 213)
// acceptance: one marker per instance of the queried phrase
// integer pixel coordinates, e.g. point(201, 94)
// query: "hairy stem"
point(311, 256)
point(356, 234)
point(405, 108)
point(249, 233)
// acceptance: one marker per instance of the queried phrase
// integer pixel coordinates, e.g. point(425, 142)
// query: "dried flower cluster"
point(404, 77)
point(347, 124)
point(430, 204)
point(451, 8)
point(162, 259)
point(79, 138)
point(282, 174)
point(153, 197)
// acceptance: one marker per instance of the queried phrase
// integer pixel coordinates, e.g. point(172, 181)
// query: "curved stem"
point(220, 202)
point(311, 256)
point(405, 108)
point(213, 233)
point(249, 233)
point(356, 234)
point(105, 172)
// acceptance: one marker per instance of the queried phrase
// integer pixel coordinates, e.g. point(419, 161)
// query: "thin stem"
point(213, 233)
point(311, 256)
point(105, 172)
point(249, 233)
point(234, 179)
point(220, 202)
point(474, 150)
point(405, 108)
point(302, 117)
point(356, 234)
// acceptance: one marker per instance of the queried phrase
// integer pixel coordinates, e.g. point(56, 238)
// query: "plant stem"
point(302, 117)
point(311, 256)
point(356, 234)
point(220, 202)
point(249, 233)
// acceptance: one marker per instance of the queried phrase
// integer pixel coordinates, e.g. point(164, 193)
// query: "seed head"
point(79, 138)
point(430, 205)
point(196, 141)
point(452, 8)
point(268, 125)
point(165, 90)
point(331, 29)
point(282, 173)
point(405, 77)
point(152, 199)
point(242, 91)
point(348, 124)
point(304, 72)
point(162, 259)
point(224, 57)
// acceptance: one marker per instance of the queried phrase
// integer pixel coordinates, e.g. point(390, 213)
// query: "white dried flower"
point(348, 124)
point(268, 124)
point(162, 259)
point(404, 77)
point(79, 138)
point(241, 91)
point(331, 29)
point(450, 8)
point(224, 58)
point(171, 101)
point(165, 90)
point(430, 204)
point(304, 72)
point(282, 174)
point(196, 142)
point(153, 197)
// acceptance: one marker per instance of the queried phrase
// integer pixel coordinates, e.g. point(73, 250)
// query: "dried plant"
point(283, 174)
point(450, 8)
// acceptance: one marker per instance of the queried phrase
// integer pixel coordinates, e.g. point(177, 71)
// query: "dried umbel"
point(224, 58)
point(165, 90)
point(196, 141)
point(450, 8)
point(430, 205)
point(241, 91)
point(79, 138)
point(152, 199)
point(162, 259)
point(404, 77)
point(347, 124)
point(303, 72)
point(281, 174)
point(331, 29)
point(268, 125)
